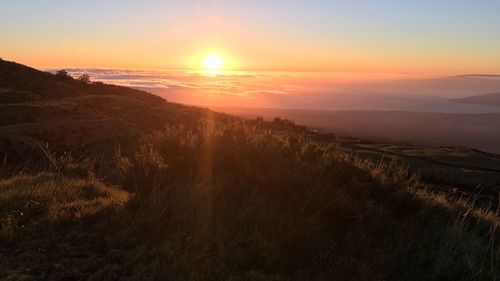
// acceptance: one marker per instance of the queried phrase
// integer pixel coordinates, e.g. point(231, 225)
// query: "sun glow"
point(213, 62)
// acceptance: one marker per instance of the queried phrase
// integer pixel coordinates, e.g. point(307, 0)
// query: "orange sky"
point(379, 36)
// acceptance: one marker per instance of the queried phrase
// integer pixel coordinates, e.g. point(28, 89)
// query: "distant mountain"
point(486, 99)
point(480, 75)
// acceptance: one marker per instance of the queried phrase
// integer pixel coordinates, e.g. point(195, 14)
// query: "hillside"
point(459, 170)
point(434, 145)
point(39, 108)
point(107, 183)
point(479, 131)
point(485, 99)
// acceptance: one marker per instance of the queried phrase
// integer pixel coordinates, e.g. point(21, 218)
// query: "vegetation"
point(294, 209)
point(205, 196)
point(461, 171)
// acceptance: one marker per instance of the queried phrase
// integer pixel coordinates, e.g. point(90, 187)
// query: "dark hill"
point(486, 99)
point(19, 83)
point(38, 108)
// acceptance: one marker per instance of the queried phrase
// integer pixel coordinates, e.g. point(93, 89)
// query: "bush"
point(63, 75)
point(84, 81)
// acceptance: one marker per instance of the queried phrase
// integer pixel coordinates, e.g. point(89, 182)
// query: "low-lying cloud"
point(304, 90)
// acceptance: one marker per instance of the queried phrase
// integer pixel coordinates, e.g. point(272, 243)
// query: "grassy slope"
point(212, 197)
point(47, 225)
point(458, 169)
point(37, 109)
point(480, 131)
point(295, 209)
point(469, 170)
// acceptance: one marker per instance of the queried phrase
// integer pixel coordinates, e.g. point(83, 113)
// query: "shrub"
point(63, 75)
point(84, 81)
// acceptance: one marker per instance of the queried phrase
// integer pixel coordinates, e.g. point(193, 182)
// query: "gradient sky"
point(425, 36)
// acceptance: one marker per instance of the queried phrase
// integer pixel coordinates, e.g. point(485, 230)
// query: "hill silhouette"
point(107, 183)
point(485, 99)
point(39, 108)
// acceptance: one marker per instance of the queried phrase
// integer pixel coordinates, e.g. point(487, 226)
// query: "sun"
point(213, 61)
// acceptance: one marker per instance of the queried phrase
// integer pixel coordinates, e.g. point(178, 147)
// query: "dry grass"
point(28, 201)
point(271, 205)
point(238, 202)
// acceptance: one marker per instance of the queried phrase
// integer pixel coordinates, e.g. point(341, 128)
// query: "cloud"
point(265, 92)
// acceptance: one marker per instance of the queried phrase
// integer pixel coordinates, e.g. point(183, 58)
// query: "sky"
point(425, 36)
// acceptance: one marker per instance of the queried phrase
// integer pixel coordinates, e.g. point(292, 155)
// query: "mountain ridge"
point(483, 99)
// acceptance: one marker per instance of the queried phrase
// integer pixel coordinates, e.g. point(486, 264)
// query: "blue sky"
point(384, 35)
